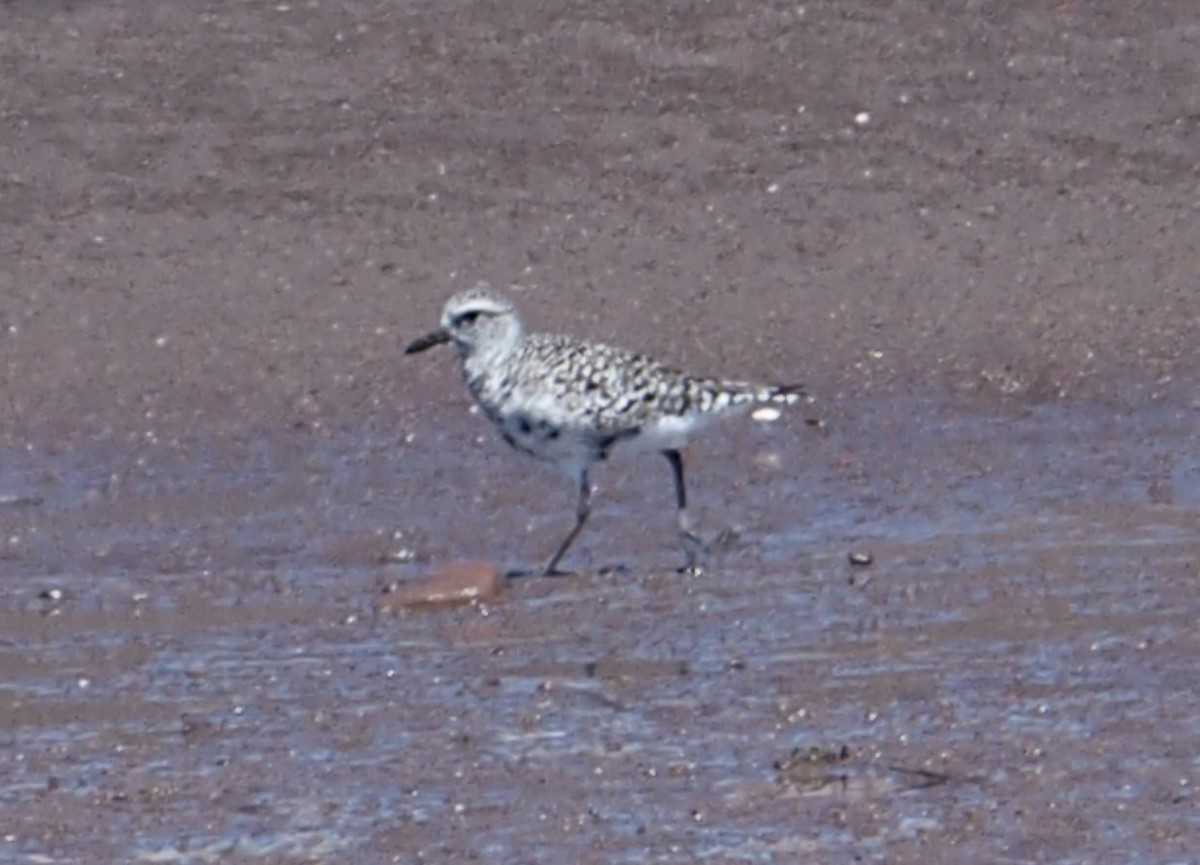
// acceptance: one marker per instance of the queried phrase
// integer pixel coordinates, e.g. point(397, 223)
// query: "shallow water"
point(214, 683)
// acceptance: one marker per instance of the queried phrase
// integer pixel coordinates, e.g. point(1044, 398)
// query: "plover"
point(575, 403)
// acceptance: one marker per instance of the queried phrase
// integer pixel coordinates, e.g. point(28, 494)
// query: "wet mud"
point(951, 616)
point(1012, 679)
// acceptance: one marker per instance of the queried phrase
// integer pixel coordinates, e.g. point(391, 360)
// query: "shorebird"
point(575, 403)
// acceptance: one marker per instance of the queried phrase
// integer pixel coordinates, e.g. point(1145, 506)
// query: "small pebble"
point(860, 558)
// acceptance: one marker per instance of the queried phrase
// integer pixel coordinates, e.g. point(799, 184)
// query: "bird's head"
point(476, 321)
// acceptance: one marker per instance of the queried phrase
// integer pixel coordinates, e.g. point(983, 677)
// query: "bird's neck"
point(480, 360)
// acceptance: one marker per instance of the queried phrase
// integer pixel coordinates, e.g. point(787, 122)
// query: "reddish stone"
point(456, 583)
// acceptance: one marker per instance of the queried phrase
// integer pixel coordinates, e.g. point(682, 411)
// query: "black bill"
point(428, 341)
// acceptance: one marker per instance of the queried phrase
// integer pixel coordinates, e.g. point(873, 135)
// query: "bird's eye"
point(468, 317)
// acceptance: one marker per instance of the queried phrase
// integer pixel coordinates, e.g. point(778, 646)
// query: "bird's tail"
point(710, 395)
point(784, 394)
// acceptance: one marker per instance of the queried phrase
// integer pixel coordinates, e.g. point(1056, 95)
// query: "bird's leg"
point(689, 540)
point(582, 508)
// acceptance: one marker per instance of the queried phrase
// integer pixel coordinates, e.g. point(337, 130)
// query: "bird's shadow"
point(619, 569)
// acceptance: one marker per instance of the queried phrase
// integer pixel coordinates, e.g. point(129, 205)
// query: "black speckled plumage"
point(574, 403)
point(610, 388)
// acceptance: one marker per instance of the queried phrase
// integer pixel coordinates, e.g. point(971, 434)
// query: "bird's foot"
point(725, 540)
point(693, 549)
